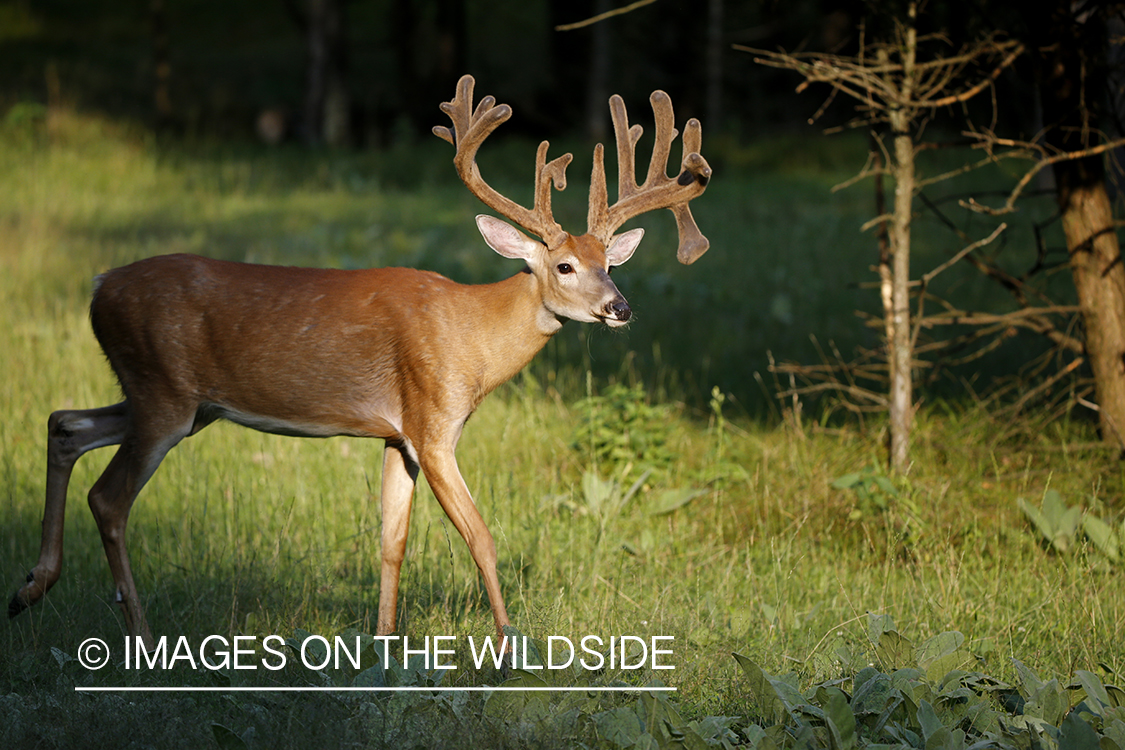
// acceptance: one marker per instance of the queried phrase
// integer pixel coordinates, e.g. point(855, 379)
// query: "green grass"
point(245, 533)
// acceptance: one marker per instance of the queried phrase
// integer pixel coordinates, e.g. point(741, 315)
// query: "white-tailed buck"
point(393, 353)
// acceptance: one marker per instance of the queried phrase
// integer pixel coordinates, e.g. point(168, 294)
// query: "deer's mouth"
point(615, 313)
point(613, 321)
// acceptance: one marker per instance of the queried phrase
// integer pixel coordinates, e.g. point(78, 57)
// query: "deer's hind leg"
point(70, 434)
point(143, 445)
point(146, 442)
point(400, 472)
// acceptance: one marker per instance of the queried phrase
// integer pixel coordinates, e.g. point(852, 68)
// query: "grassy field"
point(737, 541)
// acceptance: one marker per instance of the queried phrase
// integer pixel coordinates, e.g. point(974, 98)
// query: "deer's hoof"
point(16, 606)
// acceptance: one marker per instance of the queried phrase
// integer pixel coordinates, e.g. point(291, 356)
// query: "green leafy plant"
point(24, 115)
point(927, 696)
point(873, 489)
point(621, 428)
point(924, 696)
point(604, 499)
point(1060, 526)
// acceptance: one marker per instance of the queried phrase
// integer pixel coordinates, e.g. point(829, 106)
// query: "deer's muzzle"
point(618, 310)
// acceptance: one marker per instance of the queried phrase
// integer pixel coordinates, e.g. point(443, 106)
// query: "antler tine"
point(597, 211)
point(658, 190)
point(692, 242)
point(626, 138)
point(458, 111)
point(665, 133)
point(469, 131)
point(547, 175)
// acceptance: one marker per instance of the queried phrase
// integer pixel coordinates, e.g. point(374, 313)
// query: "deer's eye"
point(565, 268)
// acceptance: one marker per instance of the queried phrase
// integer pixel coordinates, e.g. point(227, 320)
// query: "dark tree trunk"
point(430, 51)
point(327, 115)
point(597, 86)
point(1072, 81)
point(715, 51)
point(161, 65)
point(450, 53)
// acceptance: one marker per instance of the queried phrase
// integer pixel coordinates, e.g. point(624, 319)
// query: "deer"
point(400, 354)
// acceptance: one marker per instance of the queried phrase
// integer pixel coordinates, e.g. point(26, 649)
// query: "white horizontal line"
point(284, 689)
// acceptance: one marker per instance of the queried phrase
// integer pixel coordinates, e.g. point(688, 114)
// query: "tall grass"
point(246, 533)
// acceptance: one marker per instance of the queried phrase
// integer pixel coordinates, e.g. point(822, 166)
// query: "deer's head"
point(573, 271)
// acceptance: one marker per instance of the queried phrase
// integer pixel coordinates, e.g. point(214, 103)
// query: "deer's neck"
point(514, 335)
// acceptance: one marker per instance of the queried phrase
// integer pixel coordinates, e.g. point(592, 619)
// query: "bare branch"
point(867, 171)
point(603, 16)
point(991, 159)
point(887, 85)
point(969, 93)
point(1034, 319)
point(926, 278)
point(862, 393)
point(967, 318)
point(1009, 205)
point(1046, 384)
point(876, 221)
point(1116, 432)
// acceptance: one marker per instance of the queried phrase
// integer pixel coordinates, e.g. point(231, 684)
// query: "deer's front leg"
point(440, 467)
point(400, 473)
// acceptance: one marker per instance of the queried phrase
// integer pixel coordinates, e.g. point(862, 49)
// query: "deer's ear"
point(622, 246)
point(506, 239)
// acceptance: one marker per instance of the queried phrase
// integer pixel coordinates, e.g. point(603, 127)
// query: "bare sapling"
point(893, 87)
point(400, 354)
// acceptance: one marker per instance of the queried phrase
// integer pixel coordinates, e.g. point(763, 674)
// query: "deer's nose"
point(619, 309)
